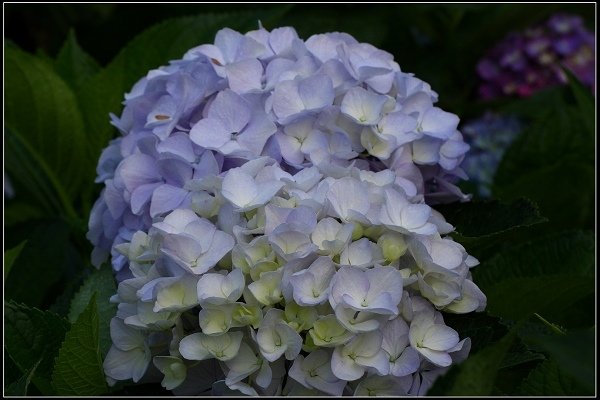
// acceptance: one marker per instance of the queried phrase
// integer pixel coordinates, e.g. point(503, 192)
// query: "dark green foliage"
point(78, 369)
point(31, 278)
point(32, 339)
point(101, 283)
point(479, 219)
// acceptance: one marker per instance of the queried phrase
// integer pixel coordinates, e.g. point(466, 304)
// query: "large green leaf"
point(554, 135)
point(42, 112)
point(17, 212)
point(547, 379)
point(10, 256)
point(33, 337)
point(568, 253)
point(40, 265)
point(552, 162)
point(546, 276)
point(151, 49)
point(20, 386)
point(101, 283)
point(31, 173)
point(520, 354)
point(78, 369)
point(560, 185)
point(518, 298)
point(490, 217)
point(73, 64)
point(476, 375)
point(573, 353)
point(584, 99)
point(481, 328)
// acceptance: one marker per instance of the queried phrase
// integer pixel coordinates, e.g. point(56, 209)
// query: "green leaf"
point(568, 253)
point(43, 113)
point(523, 356)
point(499, 217)
point(476, 375)
point(31, 334)
point(481, 328)
point(12, 372)
point(101, 283)
point(26, 166)
point(550, 161)
point(547, 379)
point(19, 387)
point(40, 265)
point(541, 185)
point(584, 98)
point(73, 64)
point(17, 212)
point(518, 298)
point(573, 353)
point(151, 49)
point(78, 369)
point(551, 325)
point(10, 256)
point(62, 302)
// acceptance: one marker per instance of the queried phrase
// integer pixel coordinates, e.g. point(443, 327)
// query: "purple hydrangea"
point(267, 208)
point(525, 62)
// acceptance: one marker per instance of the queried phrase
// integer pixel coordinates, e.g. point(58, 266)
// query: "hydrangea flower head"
point(525, 62)
point(267, 209)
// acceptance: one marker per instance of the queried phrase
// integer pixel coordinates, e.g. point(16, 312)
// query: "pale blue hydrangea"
point(489, 137)
point(266, 209)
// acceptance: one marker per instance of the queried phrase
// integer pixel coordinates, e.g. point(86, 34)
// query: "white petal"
point(440, 337)
point(124, 337)
point(177, 296)
point(426, 151)
point(166, 198)
point(395, 336)
point(210, 289)
point(245, 76)
point(363, 106)
point(344, 367)
point(406, 364)
point(272, 345)
point(239, 187)
point(439, 358)
point(122, 365)
point(439, 123)
point(316, 92)
point(173, 369)
point(348, 280)
point(215, 321)
point(379, 362)
point(296, 372)
point(176, 221)
point(472, 299)
point(266, 191)
point(384, 280)
point(304, 292)
point(348, 194)
point(264, 376)
point(210, 133)
point(286, 100)
point(191, 347)
point(242, 365)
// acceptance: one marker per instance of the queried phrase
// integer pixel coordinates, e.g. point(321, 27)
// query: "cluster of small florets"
point(488, 136)
point(265, 210)
point(528, 61)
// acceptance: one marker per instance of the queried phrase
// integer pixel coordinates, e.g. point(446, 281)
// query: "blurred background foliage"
point(68, 65)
